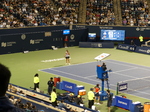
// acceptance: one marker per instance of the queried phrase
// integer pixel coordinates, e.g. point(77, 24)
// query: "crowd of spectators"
point(68, 11)
point(22, 13)
point(135, 13)
point(27, 107)
point(100, 12)
point(8, 20)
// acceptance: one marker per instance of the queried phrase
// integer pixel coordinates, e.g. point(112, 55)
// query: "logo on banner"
point(137, 29)
point(132, 48)
point(78, 26)
point(142, 28)
point(106, 27)
point(72, 37)
point(23, 36)
point(37, 41)
point(68, 86)
point(144, 50)
point(123, 47)
point(99, 45)
point(3, 44)
point(123, 86)
point(148, 51)
point(31, 41)
point(7, 44)
point(48, 34)
point(123, 102)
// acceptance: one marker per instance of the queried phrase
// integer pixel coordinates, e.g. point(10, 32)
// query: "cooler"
point(147, 107)
point(79, 87)
point(82, 92)
point(56, 79)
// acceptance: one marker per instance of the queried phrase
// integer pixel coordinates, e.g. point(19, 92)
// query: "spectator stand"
point(100, 12)
point(135, 13)
point(40, 106)
point(44, 99)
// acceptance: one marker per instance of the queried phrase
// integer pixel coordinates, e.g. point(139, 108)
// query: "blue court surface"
point(137, 76)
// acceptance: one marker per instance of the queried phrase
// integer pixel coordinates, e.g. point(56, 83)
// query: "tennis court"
point(137, 76)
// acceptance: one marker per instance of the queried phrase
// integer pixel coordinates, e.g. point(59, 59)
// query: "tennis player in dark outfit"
point(50, 84)
point(109, 101)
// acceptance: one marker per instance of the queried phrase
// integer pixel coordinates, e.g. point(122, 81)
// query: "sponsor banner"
point(96, 44)
point(68, 86)
point(126, 47)
point(122, 86)
point(144, 50)
point(123, 102)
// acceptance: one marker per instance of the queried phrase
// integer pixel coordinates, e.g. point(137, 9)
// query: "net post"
point(117, 89)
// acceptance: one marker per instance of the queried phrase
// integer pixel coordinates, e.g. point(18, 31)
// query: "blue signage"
point(144, 50)
point(122, 86)
point(68, 86)
point(115, 35)
point(123, 102)
point(126, 47)
point(65, 32)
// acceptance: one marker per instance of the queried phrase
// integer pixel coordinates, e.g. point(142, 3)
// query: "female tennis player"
point(67, 56)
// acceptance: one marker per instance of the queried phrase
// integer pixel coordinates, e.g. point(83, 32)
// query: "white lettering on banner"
point(96, 44)
point(123, 87)
point(146, 51)
point(131, 48)
point(37, 41)
point(6, 44)
point(70, 87)
point(106, 27)
point(59, 59)
point(142, 29)
point(121, 102)
point(123, 47)
point(10, 43)
point(99, 45)
point(80, 26)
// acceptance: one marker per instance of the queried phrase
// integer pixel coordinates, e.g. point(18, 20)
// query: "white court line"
point(138, 92)
point(78, 76)
point(66, 66)
point(127, 63)
point(71, 65)
point(72, 79)
point(109, 61)
point(120, 73)
point(125, 70)
point(138, 95)
point(138, 78)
